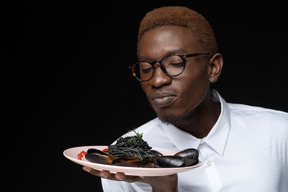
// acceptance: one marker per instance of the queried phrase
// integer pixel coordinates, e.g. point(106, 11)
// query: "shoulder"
point(259, 118)
point(149, 126)
point(248, 111)
point(154, 134)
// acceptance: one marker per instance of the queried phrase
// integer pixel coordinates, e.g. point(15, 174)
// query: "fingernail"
point(87, 169)
point(103, 175)
point(120, 177)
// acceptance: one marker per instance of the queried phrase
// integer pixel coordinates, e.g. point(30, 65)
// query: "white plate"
point(137, 171)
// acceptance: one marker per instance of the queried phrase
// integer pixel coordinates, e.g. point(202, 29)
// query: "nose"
point(160, 78)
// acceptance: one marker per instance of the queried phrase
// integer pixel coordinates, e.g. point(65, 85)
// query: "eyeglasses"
point(172, 66)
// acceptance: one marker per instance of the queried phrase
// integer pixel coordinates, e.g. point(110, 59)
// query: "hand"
point(163, 183)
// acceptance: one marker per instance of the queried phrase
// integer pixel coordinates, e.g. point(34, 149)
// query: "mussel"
point(128, 161)
point(169, 161)
point(97, 156)
point(190, 156)
point(187, 157)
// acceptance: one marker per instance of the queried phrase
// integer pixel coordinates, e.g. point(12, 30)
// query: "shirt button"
point(209, 163)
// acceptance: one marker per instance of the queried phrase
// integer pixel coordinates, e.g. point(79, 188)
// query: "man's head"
point(178, 31)
point(180, 16)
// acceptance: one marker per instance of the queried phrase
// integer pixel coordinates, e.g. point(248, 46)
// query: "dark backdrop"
point(65, 80)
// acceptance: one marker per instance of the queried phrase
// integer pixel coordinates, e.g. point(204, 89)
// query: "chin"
point(174, 118)
point(170, 118)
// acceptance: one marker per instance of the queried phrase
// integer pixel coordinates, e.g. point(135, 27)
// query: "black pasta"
point(132, 146)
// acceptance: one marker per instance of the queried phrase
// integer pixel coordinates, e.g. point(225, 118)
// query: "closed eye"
point(147, 70)
point(180, 64)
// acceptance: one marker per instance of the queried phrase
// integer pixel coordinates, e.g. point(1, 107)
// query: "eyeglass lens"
point(173, 66)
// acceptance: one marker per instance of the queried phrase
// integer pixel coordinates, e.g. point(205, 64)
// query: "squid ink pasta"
point(132, 146)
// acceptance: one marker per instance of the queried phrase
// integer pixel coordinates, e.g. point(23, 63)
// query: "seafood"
point(190, 156)
point(184, 158)
point(187, 157)
point(97, 156)
point(133, 151)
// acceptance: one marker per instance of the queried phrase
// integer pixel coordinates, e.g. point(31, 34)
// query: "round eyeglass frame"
point(183, 57)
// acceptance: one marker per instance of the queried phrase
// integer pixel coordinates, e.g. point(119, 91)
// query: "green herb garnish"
point(134, 139)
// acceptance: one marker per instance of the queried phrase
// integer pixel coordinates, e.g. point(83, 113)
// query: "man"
point(242, 148)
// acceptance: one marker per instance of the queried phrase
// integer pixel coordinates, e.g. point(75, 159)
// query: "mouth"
point(163, 99)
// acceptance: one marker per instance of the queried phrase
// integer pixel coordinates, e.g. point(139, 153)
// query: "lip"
point(163, 99)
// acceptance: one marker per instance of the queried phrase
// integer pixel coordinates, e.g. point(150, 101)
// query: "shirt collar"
point(217, 137)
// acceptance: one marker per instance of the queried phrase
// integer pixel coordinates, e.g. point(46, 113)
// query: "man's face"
point(174, 98)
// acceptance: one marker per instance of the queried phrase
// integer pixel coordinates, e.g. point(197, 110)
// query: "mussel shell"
point(128, 162)
point(149, 163)
point(155, 153)
point(190, 156)
point(97, 156)
point(169, 161)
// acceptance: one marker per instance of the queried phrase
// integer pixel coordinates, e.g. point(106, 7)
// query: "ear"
point(215, 65)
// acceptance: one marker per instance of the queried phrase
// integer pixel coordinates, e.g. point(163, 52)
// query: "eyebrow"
point(171, 52)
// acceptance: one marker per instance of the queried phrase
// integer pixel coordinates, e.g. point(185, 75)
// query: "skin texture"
point(183, 100)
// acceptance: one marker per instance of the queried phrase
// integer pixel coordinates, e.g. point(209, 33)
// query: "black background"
point(65, 80)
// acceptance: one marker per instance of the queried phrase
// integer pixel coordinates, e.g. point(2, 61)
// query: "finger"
point(104, 174)
point(122, 177)
point(107, 175)
point(91, 171)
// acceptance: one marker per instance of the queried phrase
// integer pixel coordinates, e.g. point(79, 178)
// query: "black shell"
point(128, 161)
point(190, 156)
point(169, 161)
point(97, 156)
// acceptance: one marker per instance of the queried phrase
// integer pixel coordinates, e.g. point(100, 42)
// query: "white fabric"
point(246, 150)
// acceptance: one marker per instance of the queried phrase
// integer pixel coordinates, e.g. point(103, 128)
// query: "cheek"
point(192, 87)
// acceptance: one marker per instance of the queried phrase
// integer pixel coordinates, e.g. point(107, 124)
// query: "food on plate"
point(81, 154)
point(132, 146)
point(133, 151)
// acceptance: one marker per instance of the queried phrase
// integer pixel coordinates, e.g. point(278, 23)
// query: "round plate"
point(136, 171)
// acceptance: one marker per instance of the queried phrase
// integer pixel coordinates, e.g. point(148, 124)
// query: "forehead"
point(164, 40)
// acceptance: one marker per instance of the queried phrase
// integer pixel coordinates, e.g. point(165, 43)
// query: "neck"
point(201, 120)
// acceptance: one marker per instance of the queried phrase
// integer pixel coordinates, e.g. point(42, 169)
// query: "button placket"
point(207, 154)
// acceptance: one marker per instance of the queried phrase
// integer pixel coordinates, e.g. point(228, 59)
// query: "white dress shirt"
point(246, 151)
